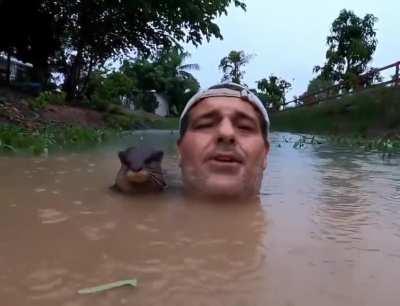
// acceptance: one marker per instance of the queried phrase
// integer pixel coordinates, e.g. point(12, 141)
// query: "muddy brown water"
point(325, 232)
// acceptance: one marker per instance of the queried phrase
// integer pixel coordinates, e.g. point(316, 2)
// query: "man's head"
point(224, 142)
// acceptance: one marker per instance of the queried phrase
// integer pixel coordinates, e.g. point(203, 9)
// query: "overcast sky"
point(288, 38)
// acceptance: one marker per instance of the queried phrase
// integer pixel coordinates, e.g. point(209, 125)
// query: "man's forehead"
point(222, 105)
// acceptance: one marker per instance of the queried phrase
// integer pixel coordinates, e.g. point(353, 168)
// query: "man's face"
point(223, 151)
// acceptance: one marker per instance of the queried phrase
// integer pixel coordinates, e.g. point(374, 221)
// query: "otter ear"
point(121, 155)
point(157, 156)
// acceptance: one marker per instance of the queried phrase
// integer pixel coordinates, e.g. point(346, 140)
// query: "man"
point(223, 143)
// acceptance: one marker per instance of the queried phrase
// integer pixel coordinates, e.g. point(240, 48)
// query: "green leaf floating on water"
point(100, 288)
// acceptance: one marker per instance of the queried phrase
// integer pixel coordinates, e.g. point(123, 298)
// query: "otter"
point(140, 171)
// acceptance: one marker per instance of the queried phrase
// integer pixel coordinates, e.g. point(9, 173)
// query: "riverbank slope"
point(370, 113)
point(26, 127)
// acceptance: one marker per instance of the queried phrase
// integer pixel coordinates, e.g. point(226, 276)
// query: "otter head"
point(140, 170)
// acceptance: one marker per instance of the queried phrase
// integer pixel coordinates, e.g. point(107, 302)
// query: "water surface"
point(325, 232)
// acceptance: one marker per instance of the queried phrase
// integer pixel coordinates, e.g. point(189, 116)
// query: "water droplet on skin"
point(92, 165)
point(40, 189)
point(55, 192)
point(77, 202)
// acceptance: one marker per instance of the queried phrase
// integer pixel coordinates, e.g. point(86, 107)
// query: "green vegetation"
point(232, 66)
point(272, 90)
point(378, 144)
point(351, 44)
point(17, 139)
point(165, 73)
point(373, 112)
point(139, 120)
point(48, 97)
point(75, 37)
point(168, 123)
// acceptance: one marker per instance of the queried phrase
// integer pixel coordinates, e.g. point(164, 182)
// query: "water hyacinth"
point(382, 145)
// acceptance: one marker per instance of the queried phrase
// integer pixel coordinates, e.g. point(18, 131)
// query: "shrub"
point(146, 101)
point(48, 97)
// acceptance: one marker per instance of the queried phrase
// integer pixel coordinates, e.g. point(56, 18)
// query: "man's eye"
point(246, 127)
point(203, 125)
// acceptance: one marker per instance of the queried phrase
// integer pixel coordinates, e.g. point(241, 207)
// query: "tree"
point(232, 64)
point(113, 88)
point(351, 45)
point(180, 84)
point(273, 91)
point(165, 73)
point(92, 32)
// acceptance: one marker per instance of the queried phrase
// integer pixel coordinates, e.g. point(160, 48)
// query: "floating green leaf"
point(100, 288)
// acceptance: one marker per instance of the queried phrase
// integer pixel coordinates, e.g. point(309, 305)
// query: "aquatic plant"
point(379, 144)
point(383, 145)
point(303, 140)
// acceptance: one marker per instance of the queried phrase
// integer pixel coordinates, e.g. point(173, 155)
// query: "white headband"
point(226, 90)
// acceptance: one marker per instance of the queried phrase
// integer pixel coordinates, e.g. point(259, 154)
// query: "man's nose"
point(226, 132)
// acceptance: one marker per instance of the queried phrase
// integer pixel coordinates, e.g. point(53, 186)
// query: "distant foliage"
point(232, 66)
point(318, 89)
point(146, 101)
point(110, 89)
point(165, 73)
point(75, 37)
point(273, 91)
point(351, 44)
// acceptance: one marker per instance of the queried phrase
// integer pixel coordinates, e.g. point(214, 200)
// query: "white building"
point(17, 68)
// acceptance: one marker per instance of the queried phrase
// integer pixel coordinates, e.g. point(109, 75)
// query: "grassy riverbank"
point(369, 120)
point(371, 113)
point(47, 137)
point(39, 125)
point(17, 139)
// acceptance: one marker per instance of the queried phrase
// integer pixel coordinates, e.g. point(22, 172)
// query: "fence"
point(363, 82)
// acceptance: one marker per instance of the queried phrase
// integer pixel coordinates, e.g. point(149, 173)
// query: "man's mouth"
point(227, 158)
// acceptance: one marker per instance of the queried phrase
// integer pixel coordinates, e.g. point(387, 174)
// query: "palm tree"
point(172, 60)
point(231, 65)
point(179, 83)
